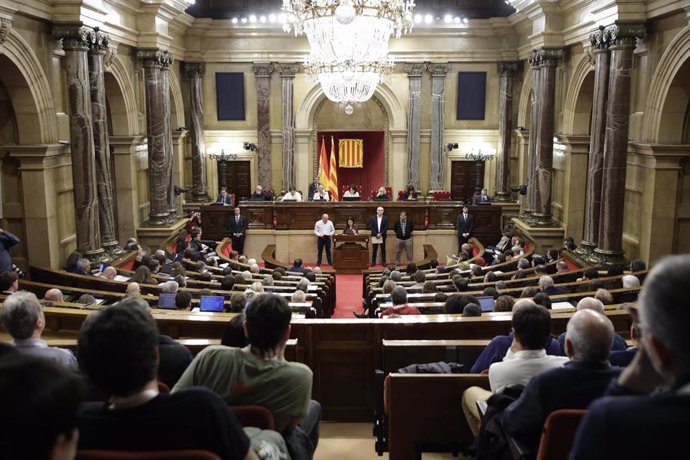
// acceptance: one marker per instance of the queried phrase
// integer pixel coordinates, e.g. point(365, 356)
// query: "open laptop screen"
point(166, 301)
point(211, 303)
point(486, 303)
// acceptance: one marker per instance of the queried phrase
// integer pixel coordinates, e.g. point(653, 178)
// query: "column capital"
point(5, 28)
point(438, 70)
point(623, 35)
point(508, 67)
point(195, 69)
point(153, 57)
point(263, 70)
point(287, 70)
point(99, 42)
point(74, 36)
point(600, 40)
point(545, 57)
point(414, 69)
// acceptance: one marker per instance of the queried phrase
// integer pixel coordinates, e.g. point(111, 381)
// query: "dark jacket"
point(373, 226)
point(7, 240)
point(409, 228)
point(465, 225)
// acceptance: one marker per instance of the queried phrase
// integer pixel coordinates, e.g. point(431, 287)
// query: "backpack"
point(492, 443)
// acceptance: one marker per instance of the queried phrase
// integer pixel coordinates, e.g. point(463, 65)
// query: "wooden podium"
point(351, 253)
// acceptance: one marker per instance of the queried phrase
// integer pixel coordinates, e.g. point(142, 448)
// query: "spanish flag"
point(333, 183)
point(324, 178)
point(350, 153)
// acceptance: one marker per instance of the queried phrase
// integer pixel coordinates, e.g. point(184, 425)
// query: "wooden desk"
point(351, 253)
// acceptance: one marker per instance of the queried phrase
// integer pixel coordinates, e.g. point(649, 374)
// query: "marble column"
point(505, 130)
point(263, 72)
point(622, 45)
point(548, 61)
point(195, 72)
point(414, 120)
point(287, 78)
point(438, 86)
point(155, 135)
point(533, 60)
point(599, 46)
point(166, 62)
point(104, 178)
point(75, 42)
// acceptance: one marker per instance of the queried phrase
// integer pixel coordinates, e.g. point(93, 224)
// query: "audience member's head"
point(297, 263)
point(298, 296)
point(133, 289)
point(227, 283)
point(267, 281)
point(604, 295)
point(254, 268)
point(396, 276)
point(543, 299)
point(615, 270)
point(87, 300)
point(539, 269)
point(456, 303)
point(154, 265)
point(630, 281)
point(472, 309)
point(504, 303)
point(545, 282)
point(183, 300)
point(461, 284)
point(476, 270)
point(523, 264)
point(590, 303)
point(234, 335)
point(39, 401)
point(589, 336)
point(490, 277)
point(388, 286)
point(637, 265)
point(247, 275)
point(490, 292)
point(74, 257)
point(419, 277)
point(310, 276)
point(22, 316)
point(591, 273)
point(561, 266)
point(520, 274)
point(84, 266)
point(411, 268)
point(399, 296)
point(528, 292)
point(109, 272)
point(531, 326)
point(9, 281)
point(501, 285)
point(237, 301)
point(142, 275)
point(267, 325)
point(429, 287)
point(54, 295)
point(169, 287)
point(118, 348)
point(303, 284)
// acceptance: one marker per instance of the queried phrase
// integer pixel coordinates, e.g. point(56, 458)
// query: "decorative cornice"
point(110, 55)
point(195, 69)
point(588, 51)
point(415, 69)
point(624, 35)
point(74, 36)
point(5, 28)
point(508, 67)
point(263, 70)
point(287, 70)
point(153, 57)
point(438, 70)
point(545, 57)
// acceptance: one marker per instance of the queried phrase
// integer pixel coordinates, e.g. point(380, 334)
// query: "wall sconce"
point(478, 156)
point(222, 156)
point(249, 146)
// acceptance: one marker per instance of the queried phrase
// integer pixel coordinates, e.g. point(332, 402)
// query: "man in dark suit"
point(634, 420)
point(224, 197)
point(378, 225)
point(573, 386)
point(238, 230)
point(465, 225)
point(403, 229)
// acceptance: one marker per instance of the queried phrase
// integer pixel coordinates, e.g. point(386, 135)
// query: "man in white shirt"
point(292, 195)
point(525, 358)
point(321, 194)
point(324, 231)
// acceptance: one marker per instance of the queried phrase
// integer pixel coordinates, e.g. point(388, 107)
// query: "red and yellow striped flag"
point(351, 153)
point(324, 177)
point(333, 174)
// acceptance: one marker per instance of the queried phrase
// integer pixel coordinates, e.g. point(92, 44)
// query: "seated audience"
point(72, 259)
point(542, 299)
point(118, 351)
point(382, 195)
point(169, 287)
point(569, 243)
point(83, 267)
point(259, 373)
point(471, 309)
point(39, 401)
point(108, 273)
point(455, 304)
point(573, 386)
point(595, 304)
point(87, 300)
point(429, 287)
point(503, 303)
point(23, 318)
point(142, 275)
point(183, 300)
point(133, 290)
point(296, 266)
point(490, 292)
point(400, 307)
point(562, 267)
point(638, 419)
point(237, 302)
point(604, 296)
point(54, 295)
point(298, 296)
point(630, 281)
point(234, 335)
point(637, 265)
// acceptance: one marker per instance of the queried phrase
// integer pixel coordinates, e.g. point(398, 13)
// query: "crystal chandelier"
point(348, 40)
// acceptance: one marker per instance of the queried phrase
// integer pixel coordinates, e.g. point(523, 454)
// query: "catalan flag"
point(333, 174)
point(324, 177)
point(351, 153)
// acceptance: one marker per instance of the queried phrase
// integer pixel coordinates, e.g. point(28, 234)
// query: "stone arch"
point(29, 90)
point(121, 99)
point(304, 117)
point(671, 62)
point(577, 108)
point(524, 106)
point(176, 104)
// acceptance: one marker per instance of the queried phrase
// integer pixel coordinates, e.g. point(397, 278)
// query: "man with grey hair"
point(169, 287)
point(134, 290)
point(303, 284)
point(635, 421)
point(254, 268)
point(547, 286)
point(54, 295)
point(400, 307)
point(590, 303)
point(523, 264)
point(23, 318)
point(298, 296)
point(247, 275)
point(396, 276)
point(630, 281)
point(581, 380)
point(84, 267)
point(267, 281)
point(561, 267)
point(108, 273)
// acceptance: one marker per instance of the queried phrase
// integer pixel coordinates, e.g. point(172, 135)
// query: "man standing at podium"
point(238, 230)
point(403, 237)
point(324, 231)
point(378, 225)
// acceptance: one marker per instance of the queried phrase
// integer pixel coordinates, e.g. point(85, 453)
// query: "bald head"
point(589, 336)
point(110, 272)
point(590, 303)
point(522, 303)
point(545, 282)
point(54, 295)
point(133, 289)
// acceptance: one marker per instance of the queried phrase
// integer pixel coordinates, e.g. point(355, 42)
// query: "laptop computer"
point(351, 198)
point(166, 301)
point(211, 303)
point(486, 303)
point(561, 305)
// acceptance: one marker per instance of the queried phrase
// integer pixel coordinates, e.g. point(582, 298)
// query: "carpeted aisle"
point(348, 295)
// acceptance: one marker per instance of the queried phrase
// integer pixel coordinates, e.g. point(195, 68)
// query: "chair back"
point(559, 433)
point(189, 454)
point(254, 415)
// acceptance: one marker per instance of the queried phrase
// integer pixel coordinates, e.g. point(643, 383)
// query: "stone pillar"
point(104, 179)
point(622, 45)
point(533, 130)
point(155, 135)
point(287, 78)
point(505, 130)
point(414, 121)
point(75, 42)
point(126, 150)
point(166, 62)
point(179, 140)
point(438, 86)
point(263, 73)
point(548, 61)
point(196, 71)
point(599, 44)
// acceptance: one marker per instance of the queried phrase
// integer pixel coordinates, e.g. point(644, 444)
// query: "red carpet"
point(348, 296)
